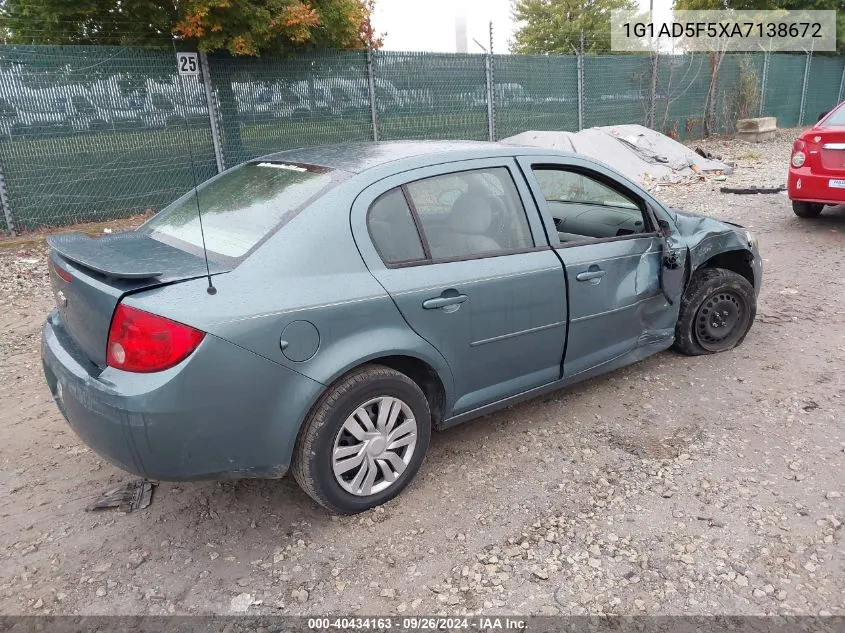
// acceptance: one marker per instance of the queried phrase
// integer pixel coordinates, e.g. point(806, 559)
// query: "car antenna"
point(211, 289)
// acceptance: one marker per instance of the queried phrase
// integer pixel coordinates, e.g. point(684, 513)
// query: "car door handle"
point(590, 274)
point(441, 302)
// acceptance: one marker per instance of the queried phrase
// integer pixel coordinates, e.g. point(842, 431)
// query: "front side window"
point(472, 213)
point(240, 207)
point(584, 208)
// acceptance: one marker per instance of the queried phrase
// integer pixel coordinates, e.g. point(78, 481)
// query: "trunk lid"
point(90, 276)
point(831, 143)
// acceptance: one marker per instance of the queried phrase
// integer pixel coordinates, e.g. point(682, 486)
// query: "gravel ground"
point(709, 485)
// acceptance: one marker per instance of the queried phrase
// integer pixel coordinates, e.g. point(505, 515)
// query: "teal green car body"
point(315, 300)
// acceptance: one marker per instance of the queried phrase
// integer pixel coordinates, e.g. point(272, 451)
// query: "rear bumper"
point(805, 186)
point(224, 412)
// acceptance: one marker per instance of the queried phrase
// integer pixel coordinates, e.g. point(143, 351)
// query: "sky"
point(429, 25)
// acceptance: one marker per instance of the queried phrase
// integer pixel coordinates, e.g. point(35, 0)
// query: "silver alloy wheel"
point(374, 446)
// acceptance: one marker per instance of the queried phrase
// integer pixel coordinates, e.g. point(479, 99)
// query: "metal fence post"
point(804, 87)
point(7, 207)
point(491, 82)
point(764, 81)
point(488, 79)
point(579, 65)
point(841, 83)
point(213, 113)
point(371, 80)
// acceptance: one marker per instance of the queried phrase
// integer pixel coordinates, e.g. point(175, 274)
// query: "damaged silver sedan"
point(347, 300)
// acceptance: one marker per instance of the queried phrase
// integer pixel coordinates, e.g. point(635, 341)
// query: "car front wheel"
point(363, 441)
point(806, 209)
point(716, 312)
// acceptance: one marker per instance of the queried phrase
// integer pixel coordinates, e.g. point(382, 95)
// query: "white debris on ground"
point(756, 165)
point(643, 155)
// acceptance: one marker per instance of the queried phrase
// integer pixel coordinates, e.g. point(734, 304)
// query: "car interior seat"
point(469, 221)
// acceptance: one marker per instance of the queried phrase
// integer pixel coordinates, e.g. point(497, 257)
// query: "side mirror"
point(664, 228)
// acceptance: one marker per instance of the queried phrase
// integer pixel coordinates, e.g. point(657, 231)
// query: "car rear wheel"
point(806, 209)
point(716, 312)
point(363, 441)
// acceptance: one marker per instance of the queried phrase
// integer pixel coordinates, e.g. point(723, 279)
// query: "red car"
point(817, 166)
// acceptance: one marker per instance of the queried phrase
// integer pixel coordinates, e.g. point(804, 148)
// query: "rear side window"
point(474, 213)
point(836, 119)
point(241, 207)
point(392, 229)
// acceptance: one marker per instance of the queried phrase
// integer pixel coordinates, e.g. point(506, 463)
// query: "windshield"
point(240, 207)
point(836, 119)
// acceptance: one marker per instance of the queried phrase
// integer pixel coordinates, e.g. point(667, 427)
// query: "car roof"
point(359, 157)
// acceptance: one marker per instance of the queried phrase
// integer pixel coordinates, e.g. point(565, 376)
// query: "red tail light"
point(143, 342)
point(798, 145)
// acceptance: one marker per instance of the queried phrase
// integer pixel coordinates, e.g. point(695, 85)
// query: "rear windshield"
point(836, 119)
point(240, 208)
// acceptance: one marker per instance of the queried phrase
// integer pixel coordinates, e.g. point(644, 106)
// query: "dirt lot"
point(678, 485)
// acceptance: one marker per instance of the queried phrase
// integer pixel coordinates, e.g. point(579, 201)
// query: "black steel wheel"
point(717, 310)
point(721, 320)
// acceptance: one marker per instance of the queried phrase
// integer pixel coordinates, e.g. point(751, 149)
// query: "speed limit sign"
point(188, 63)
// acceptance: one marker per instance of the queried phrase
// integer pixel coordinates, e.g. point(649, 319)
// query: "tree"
point(138, 22)
point(772, 5)
point(247, 27)
point(555, 26)
point(242, 27)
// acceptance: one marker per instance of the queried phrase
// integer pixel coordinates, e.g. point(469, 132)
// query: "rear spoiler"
point(99, 256)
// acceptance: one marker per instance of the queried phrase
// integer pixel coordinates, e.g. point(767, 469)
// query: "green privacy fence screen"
point(95, 132)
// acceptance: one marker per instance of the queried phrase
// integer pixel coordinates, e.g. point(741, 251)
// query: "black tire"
point(312, 460)
point(715, 298)
point(806, 209)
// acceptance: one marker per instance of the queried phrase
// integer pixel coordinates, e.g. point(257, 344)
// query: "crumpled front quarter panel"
point(706, 237)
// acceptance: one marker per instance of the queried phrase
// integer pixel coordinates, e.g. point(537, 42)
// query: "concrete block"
point(756, 130)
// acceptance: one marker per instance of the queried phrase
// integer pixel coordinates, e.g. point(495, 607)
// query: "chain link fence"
point(431, 95)
point(535, 92)
point(95, 132)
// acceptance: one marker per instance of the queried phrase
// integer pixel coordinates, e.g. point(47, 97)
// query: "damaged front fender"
point(720, 244)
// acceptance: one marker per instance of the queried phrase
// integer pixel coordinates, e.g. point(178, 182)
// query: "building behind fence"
point(96, 133)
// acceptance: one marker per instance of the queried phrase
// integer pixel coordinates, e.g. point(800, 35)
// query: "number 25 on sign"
point(188, 63)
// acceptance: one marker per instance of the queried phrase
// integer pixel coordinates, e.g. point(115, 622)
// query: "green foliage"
point(242, 27)
point(138, 22)
point(555, 26)
point(247, 27)
point(747, 95)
